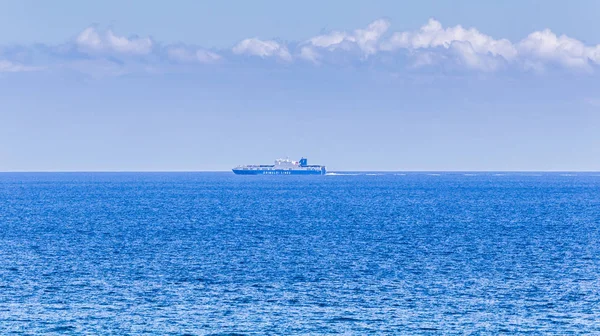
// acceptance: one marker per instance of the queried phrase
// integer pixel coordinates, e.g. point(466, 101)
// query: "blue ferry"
point(282, 167)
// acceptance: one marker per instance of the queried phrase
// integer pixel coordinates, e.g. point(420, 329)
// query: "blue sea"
point(221, 254)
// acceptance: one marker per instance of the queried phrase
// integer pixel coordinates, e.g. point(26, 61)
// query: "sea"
point(345, 253)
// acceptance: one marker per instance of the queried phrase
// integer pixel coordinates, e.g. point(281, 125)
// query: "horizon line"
point(331, 171)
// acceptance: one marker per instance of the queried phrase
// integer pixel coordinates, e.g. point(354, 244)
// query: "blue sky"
point(383, 85)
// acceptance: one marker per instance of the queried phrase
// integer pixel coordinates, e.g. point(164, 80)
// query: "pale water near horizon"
point(216, 253)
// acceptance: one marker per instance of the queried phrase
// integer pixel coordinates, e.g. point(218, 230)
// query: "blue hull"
point(278, 172)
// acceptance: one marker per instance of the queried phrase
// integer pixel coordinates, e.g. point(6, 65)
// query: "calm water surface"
point(215, 253)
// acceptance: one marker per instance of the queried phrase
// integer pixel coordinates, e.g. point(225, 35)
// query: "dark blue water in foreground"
point(203, 253)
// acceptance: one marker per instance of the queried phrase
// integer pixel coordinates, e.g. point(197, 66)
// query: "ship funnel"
point(303, 162)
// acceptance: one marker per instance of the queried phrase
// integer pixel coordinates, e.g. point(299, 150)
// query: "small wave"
point(61, 329)
point(340, 174)
point(344, 319)
point(434, 174)
point(470, 174)
point(373, 174)
point(568, 174)
point(399, 174)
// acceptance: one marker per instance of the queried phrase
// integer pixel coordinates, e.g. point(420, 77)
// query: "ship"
point(282, 167)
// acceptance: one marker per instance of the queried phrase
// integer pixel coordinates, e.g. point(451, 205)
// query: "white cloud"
point(7, 66)
point(92, 41)
point(366, 40)
point(545, 46)
point(181, 54)
point(256, 47)
point(478, 51)
point(310, 54)
point(472, 59)
point(433, 35)
point(333, 39)
point(428, 46)
point(472, 47)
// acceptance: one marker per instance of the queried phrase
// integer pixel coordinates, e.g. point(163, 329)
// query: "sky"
point(354, 85)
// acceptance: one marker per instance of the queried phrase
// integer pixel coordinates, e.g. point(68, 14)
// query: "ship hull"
point(278, 172)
